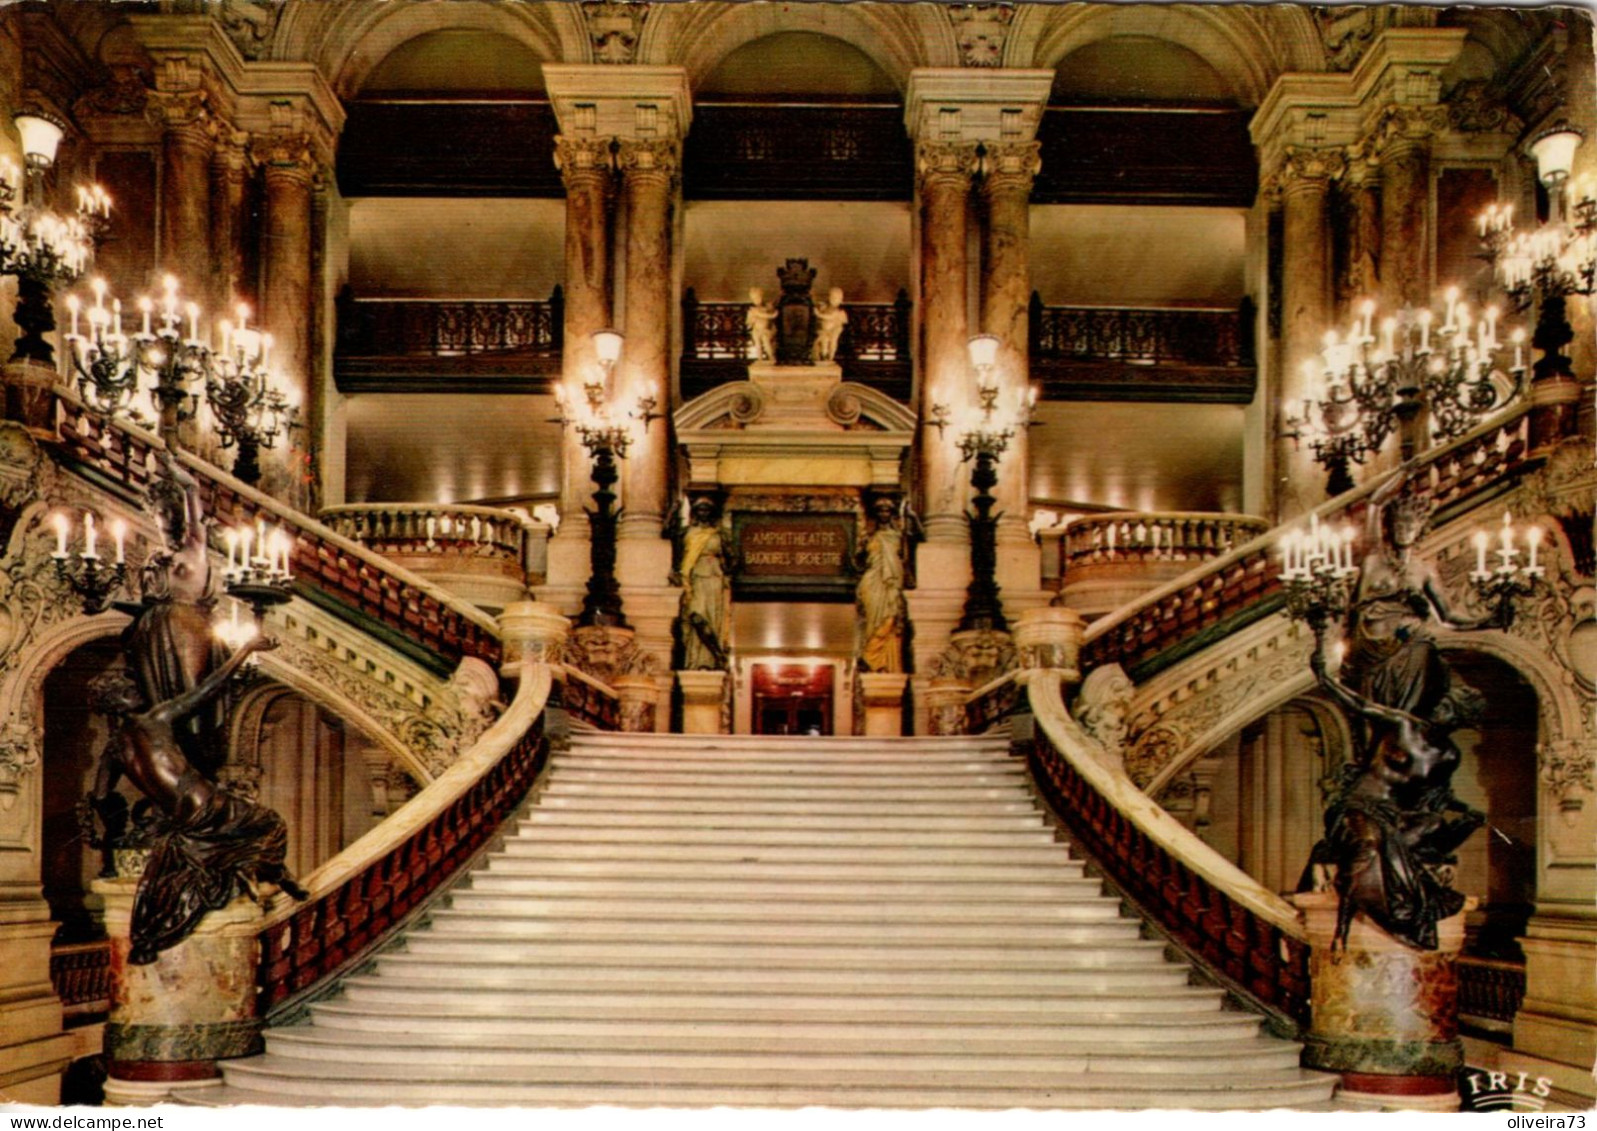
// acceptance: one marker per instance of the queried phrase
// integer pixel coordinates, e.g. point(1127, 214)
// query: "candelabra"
point(258, 570)
point(42, 247)
point(94, 582)
point(983, 446)
point(1556, 260)
point(1498, 587)
point(250, 414)
point(1317, 573)
point(606, 433)
point(1362, 389)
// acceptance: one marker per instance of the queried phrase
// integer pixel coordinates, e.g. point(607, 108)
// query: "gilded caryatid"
point(880, 592)
point(702, 572)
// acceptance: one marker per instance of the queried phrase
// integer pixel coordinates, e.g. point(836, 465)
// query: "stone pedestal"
point(640, 698)
point(1050, 637)
point(27, 396)
point(531, 631)
point(883, 693)
point(1385, 1015)
point(172, 1020)
point(796, 395)
point(945, 706)
point(702, 696)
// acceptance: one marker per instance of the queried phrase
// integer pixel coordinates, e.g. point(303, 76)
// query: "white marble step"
point(709, 819)
point(1161, 1001)
point(1032, 853)
point(403, 1084)
point(882, 796)
point(608, 927)
point(788, 770)
point(600, 808)
point(815, 757)
point(781, 1066)
point(914, 957)
point(1087, 907)
point(754, 745)
point(746, 778)
point(449, 1025)
point(803, 890)
point(730, 866)
point(649, 978)
point(751, 838)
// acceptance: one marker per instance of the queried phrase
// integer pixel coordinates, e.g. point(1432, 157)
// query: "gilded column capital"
point(581, 158)
point(1405, 127)
point(645, 159)
point(1307, 169)
point(1010, 166)
point(946, 161)
point(184, 115)
point(232, 151)
point(288, 156)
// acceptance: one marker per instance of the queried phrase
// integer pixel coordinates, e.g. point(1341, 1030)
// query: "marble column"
point(188, 138)
point(1361, 184)
point(587, 166)
point(648, 170)
point(1405, 157)
point(1304, 179)
point(287, 170)
point(945, 170)
point(1008, 169)
point(229, 178)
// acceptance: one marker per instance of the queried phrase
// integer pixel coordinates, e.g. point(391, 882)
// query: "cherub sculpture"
point(830, 318)
point(760, 318)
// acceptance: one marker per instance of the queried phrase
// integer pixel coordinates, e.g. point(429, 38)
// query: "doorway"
point(793, 698)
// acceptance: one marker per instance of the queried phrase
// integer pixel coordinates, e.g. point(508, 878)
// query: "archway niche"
point(793, 63)
point(1138, 70)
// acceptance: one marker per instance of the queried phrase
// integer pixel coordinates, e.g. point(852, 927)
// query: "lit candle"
point(227, 337)
point(1507, 539)
point(145, 307)
point(230, 536)
point(260, 542)
point(1491, 327)
point(1452, 305)
point(61, 524)
point(244, 538)
point(1369, 314)
point(1534, 537)
point(89, 535)
point(1347, 548)
point(1480, 541)
point(1425, 331)
point(1519, 349)
point(116, 316)
point(119, 534)
point(72, 305)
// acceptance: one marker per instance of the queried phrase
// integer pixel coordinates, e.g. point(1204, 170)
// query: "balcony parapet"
point(508, 345)
point(487, 555)
point(1108, 560)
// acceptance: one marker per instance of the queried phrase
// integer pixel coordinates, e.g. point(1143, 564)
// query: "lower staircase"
point(692, 921)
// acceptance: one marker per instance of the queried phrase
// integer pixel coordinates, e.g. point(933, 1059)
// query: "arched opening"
point(793, 64)
point(1138, 70)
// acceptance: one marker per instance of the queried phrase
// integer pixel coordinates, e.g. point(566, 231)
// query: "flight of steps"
point(692, 921)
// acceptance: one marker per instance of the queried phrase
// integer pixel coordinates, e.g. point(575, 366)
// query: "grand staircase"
point(691, 921)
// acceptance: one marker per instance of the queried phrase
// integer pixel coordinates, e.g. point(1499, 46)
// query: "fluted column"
point(945, 170)
point(188, 135)
point(229, 179)
point(1007, 173)
point(1405, 156)
point(287, 169)
point(1304, 180)
point(648, 171)
point(587, 166)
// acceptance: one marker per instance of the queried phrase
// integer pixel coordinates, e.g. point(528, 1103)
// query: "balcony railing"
point(1490, 990)
point(416, 345)
point(874, 349)
point(1143, 353)
point(1107, 560)
point(81, 976)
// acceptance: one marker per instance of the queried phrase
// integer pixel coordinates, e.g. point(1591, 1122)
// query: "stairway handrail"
point(1046, 692)
point(68, 400)
point(377, 886)
point(1328, 509)
point(1246, 937)
point(436, 796)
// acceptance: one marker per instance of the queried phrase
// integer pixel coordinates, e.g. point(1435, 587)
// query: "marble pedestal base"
point(640, 699)
point(27, 396)
point(945, 705)
point(883, 693)
point(1385, 1015)
point(173, 1019)
point(702, 696)
point(1050, 637)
